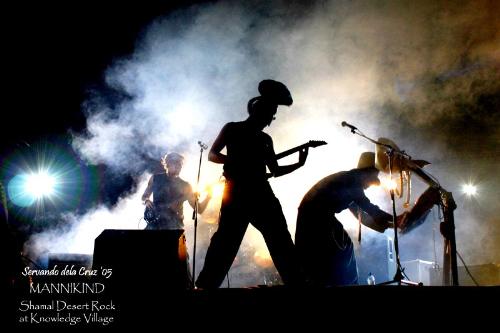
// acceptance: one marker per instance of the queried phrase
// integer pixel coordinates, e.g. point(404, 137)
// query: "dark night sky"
point(54, 56)
point(53, 53)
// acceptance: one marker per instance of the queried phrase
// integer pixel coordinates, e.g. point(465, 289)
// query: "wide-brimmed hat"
point(366, 160)
point(275, 92)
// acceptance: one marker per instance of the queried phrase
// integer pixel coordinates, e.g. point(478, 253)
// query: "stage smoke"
point(421, 73)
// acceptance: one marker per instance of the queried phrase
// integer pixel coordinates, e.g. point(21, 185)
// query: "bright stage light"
point(40, 185)
point(387, 182)
point(469, 189)
point(48, 177)
point(26, 189)
point(217, 189)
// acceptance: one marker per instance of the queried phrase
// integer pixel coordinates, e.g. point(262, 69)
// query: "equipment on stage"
point(401, 163)
point(142, 260)
point(151, 216)
point(389, 158)
point(411, 219)
point(195, 211)
point(310, 144)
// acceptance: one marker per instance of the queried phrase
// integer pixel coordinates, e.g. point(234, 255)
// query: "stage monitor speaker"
point(372, 257)
point(421, 271)
point(143, 259)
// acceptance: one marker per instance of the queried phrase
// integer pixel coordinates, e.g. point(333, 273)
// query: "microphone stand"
point(195, 210)
point(398, 276)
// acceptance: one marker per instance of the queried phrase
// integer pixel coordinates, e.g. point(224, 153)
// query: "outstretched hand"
point(303, 155)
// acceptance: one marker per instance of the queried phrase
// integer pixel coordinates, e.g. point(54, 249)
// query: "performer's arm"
point(382, 219)
point(147, 193)
point(280, 170)
point(201, 205)
point(215, 154)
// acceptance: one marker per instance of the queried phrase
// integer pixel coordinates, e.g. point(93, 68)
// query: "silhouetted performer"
point(324, 247)
point(248, 197)
point(169, 193)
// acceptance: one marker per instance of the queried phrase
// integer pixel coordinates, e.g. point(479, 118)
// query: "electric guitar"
point(310, 144)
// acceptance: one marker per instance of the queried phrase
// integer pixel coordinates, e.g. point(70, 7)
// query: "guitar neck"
point(291, 151)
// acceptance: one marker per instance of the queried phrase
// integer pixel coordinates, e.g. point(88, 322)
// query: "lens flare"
point(49, 178)
point(16, 190)
point(26, 189)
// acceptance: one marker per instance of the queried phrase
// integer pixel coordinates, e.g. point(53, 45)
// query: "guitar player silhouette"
point(248, 197)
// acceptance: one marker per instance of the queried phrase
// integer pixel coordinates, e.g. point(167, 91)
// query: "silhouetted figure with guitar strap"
point(248, 197)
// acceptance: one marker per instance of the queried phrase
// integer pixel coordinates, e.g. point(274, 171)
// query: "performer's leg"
point(343, 267)
point(271, 222)
point(223, 248)
point(313, 245)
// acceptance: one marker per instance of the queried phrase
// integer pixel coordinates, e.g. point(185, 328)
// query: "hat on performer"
point(366, 160)
point(272, 93)
point(275, 92)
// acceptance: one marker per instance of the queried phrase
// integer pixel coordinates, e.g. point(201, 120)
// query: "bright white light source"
point(217, 190)
point(469, 189)
point(387, 182)
point(40, 185)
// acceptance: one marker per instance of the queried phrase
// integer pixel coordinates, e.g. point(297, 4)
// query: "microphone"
point(353, 128)
point(202, 145)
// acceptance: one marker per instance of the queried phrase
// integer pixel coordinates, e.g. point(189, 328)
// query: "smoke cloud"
point(424, 74)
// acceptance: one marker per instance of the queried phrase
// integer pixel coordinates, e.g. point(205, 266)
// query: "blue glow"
point(17, 192)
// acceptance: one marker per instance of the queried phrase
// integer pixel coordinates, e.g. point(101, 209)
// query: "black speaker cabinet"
point(142, 259)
